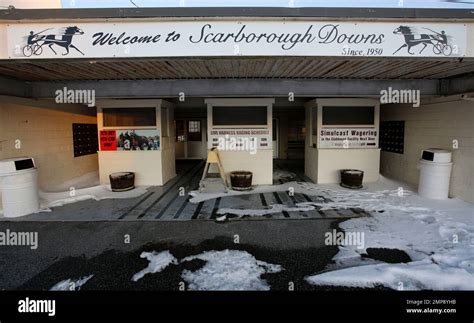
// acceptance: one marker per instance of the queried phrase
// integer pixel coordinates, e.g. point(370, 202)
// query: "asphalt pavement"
point(110, 250)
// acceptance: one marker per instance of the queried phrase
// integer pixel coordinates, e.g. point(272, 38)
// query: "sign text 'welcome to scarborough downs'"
point(233, 38)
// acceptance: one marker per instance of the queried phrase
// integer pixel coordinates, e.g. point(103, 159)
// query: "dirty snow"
point(382, 188)
point(158, 262)
point(90, 179)
point(85, 187)
point(229, 270)
point(197, 196)
point(283, 175)
point(274, 208)
point(416, 275)
point(438, 235)
point(70, 284)
point(101, 192)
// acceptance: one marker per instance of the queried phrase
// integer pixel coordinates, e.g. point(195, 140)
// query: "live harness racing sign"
point(235, 38)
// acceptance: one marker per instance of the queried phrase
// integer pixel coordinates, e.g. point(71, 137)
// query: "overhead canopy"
point(211, 68)
point(355, 51)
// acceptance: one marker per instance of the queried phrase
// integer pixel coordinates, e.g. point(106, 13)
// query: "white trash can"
point(435, 173)
point(19, 187)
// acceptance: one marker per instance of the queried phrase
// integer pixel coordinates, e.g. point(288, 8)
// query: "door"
point(190, 142)
point(194, 139)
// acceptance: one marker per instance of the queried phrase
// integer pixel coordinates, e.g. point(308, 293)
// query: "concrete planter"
point(241, 180)
point(352, 178)
point(124, 181)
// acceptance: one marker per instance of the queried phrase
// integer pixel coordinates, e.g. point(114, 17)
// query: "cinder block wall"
point(46, 135)
point(434, 126)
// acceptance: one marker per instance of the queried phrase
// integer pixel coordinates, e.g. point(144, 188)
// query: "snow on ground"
point(71, 285)
point(213, 194)
point(438, 235)
point(282, 174)
point(83, 188)
point(87, 180)
point(300, 187)
point(229, 270)
point(381, 196)
point(416, 275)
point(274, 208)
point(101, 192)
point(158, 262)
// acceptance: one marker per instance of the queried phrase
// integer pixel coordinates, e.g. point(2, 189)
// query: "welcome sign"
point(235, 38)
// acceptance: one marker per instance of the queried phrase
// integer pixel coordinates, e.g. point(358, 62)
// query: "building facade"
point(136, 89)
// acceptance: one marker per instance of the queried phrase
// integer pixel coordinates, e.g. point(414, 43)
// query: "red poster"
point(108, 140)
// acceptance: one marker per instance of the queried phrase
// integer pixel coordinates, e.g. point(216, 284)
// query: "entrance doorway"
point(191, 138)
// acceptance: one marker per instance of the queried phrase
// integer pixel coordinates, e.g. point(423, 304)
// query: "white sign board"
point(235, 38)
point(348, 138)
point(240, 139)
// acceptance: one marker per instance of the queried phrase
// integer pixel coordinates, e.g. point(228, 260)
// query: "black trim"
point(38, 14)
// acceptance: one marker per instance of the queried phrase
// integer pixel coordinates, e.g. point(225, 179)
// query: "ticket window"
point(348, 116)
point(344, 135)
point(131, 128)
point(242, 130)
point(246, 116)
point(346, 123)
point(134, 136)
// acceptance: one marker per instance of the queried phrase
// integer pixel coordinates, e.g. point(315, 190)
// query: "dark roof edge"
point(38, 14)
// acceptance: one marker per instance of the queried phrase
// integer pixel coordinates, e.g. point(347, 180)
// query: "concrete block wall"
point(46, 135)
point(434, 125)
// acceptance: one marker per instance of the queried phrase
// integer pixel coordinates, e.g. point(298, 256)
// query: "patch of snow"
point(229, 270)
point(353, 172)
point(221, 218)
point(212, 185)
point(383, 187)
point(71, 285)
point(274, 208)
point(101, 192)
point(438, 235)
point(335, 198)
point(282, 174)
point(208, 195)
point(87, 180)
point(158, 262)
point(417, 275)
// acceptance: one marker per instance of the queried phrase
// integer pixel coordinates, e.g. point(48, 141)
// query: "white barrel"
point(19, 192)
point(434, 179)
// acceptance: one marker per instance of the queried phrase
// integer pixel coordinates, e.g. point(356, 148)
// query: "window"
point(348, 116)
point(85, 139)
point(239, 116)
point(194, 130)
point(129, 117)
